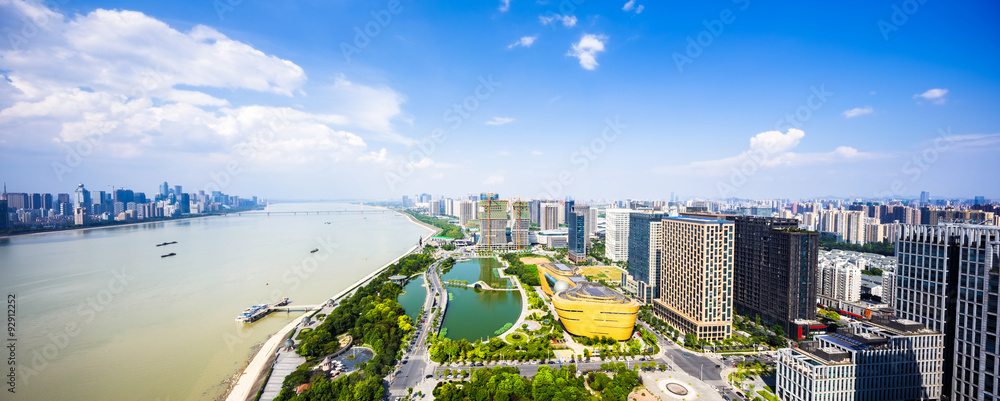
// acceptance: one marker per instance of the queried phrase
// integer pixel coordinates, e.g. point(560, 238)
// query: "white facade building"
point(616, 243)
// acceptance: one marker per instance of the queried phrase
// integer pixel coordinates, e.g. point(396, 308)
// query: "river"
point(101, 316)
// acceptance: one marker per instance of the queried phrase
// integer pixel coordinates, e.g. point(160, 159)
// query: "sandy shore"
point(251, 379)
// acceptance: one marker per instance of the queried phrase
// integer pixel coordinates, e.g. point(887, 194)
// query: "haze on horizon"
point(597, 100)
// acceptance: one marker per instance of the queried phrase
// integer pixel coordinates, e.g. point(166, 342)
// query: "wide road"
point(416, 363)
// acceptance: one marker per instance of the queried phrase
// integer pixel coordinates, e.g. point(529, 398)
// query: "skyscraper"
point(696, 276)
point(568, 204)
point(4, 216)
point(492, 224)
point(616, 245)
point(577, 241)
point(774, 273)
point(925, 198)
point(549, 216)
point(164, 190)
point(520, 222)
point(82, 197)
point(948, 278)
point(645, 246)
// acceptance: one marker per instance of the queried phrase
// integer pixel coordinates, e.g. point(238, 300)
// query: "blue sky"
point(596, 100)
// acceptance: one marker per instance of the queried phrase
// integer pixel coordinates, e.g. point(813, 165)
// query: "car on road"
point(429, 376)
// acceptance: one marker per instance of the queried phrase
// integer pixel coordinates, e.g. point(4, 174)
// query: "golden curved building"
point(585, 308)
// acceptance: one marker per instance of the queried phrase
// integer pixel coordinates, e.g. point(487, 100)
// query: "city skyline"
point(566, 98)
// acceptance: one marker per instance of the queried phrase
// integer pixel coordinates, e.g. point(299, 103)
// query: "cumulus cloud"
point(567, 20)
point(630, 6)
point(586, 50)
point(769, 149)
point(858, 111)
point(525, 41)
point(935, 96)
point(500, 121)
point(147, 88)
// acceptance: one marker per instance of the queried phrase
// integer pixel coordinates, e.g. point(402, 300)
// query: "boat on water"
point(327, 223)
point(314, 250)
point(168, 255)
point(167, 243)
point(284, 301)
point(253, 313)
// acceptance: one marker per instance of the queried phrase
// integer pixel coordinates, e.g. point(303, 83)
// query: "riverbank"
point(249, 382)
point(101, 227)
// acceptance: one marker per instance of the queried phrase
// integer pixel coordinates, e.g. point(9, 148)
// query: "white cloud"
point(858, 111)
point(495, 179)
point(503, 153)
point(631, 6)
point(504, 6)
point(525, 41)
point(536, 153)
point(146, 87)
point(567, 20)
point(935, 96)
point(374, 157)
point(500, 121)
point(586, 50)
point(768, 150)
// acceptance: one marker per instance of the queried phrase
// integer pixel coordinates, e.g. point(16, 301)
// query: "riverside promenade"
point(252, 378)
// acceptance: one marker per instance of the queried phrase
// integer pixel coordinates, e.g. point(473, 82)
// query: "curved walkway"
point(524, 299)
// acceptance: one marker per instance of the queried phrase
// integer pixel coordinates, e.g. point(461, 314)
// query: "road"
point(416, 363)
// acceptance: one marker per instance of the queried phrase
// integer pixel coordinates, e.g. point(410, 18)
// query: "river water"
point(101, 316)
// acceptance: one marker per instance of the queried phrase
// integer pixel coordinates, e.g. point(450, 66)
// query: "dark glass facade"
point(774, 272)
point(577, 241)
point(638, 249)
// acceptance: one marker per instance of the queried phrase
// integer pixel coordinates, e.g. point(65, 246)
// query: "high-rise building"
point(947, 278)
point(465, 212)
point(616, 240)
point(696, 276)
point(80, 216)
point(577, 241)
point(774, 273)
point(164, 190)
point(587, 222)
point(883, 360)
point(979, 200)
point(4, 216)
point(549, 216)
point(567, 209)
point(536, 210)
point(645, 250)
point(888, 288)
point(492, 224)
point(82, 197)
point(406, 200)
point(18, 200)
point(925, 198)
point(839, 281)
point(520, 222)
point(185, 203)
point(434, 208)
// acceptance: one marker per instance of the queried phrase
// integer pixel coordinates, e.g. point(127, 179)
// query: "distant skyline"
point(595, 100)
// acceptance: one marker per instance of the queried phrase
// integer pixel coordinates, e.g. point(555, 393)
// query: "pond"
point(413, 297)
point(475, 314)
